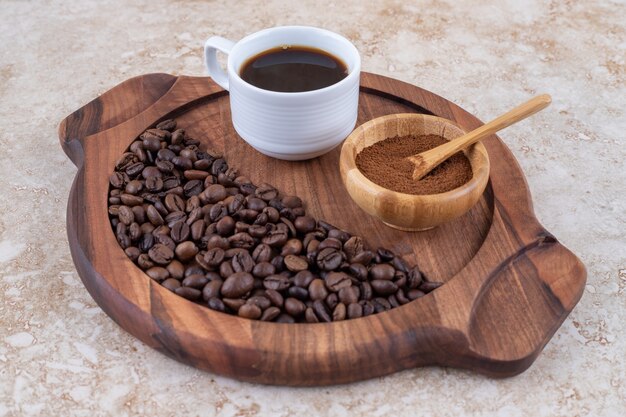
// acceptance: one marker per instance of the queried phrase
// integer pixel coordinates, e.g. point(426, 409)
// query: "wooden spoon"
point(429, 160)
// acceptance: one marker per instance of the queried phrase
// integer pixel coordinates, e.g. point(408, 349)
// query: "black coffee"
point(292, 69)
point(210, 235)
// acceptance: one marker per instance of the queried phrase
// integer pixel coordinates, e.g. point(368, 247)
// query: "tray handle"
point(121, 103)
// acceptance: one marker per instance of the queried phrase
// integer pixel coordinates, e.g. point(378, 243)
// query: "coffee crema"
point(293, 69)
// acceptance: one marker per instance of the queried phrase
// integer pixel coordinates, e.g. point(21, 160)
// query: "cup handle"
point(211, 46)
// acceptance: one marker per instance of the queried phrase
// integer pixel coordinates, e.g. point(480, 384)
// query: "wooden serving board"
point(509, 282)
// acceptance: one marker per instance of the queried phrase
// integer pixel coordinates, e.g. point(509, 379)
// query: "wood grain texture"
point(405, 211)
point(509, 283)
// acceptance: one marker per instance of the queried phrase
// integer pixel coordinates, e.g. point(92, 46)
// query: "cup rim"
point(356, 71)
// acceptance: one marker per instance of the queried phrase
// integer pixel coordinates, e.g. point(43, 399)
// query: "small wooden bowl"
point(405, 211)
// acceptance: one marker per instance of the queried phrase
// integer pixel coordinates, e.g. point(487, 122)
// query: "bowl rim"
point(349, 163)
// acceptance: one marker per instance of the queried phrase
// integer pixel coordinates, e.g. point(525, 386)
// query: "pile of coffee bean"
point(210, 235)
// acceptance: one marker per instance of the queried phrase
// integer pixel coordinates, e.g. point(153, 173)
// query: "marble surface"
point(61, 355)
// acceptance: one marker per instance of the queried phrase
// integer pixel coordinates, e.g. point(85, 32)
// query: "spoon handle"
point(427, 161)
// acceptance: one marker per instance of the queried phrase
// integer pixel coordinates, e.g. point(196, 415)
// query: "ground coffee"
point(385, 164)
point(208, 234)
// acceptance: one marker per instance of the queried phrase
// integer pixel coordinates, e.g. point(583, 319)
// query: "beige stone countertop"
point(60, 354)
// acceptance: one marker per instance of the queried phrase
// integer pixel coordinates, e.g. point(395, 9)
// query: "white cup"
point(291, 126)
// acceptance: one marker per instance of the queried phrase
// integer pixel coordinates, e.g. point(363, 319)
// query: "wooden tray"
point(509, 282)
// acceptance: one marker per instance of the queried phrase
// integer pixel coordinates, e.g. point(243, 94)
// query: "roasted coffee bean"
point(339, 313)
point(304, 224)
point(330, 243)
point(428, 286)
point(275, 238)
point(298, 292)
point(174, 203)
point(131, 200)
point(180, 231)
point(212, 289)
point(272, 214)
point(260, 301)
point(241, 240)
point(225, 226)
point(126, 215)
point(161, 254)
point(381, 304)
point(219, 165)
point(157, 273)
point(303, 279)
point(270, 314)
point(133, 170)
point(321, 311)
point(242, 261)
point(216, 304)
point(329, 259)
point(154, 184)
point(340, 235)
point(262, 253)
point(366, 291)
point(291, 228)
point(176, 269)
point(165, 240)
point(276, 282)
point(266, 192)
point(332, 300)
point(250, 311)
point(263, 269)
point(214, 256)
point(294, 307)
point(234, 304)
point(385, 254)
point(167, 167)
point(146, 242)
point(150, 171)
point(154, 216)
point(257, 231)
point(384, 287)
point(364, 258)
point(195, 281)
point(169, 124)
point(172, 218)
point(415, 278)
point(197, 229)
point(237, 285)
point(382, 272)
point(116, 180)
point(359, 271)
point(309, 316)
point(337, 280)
point(217, 212)
point(317, 290)
point(296, 263)
point(349, 295)
point(171, 284)
point(353, 246)
point(292, 247)
point(355, 310)
point(186, 251)
point(275, 297)
point(400, 265)
point(284, 318)
point(132, 252)
point(193, 187)
point(159, 134)
point(188, 293)
point(368, 308)
point(134, 187)
point(291, 201)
